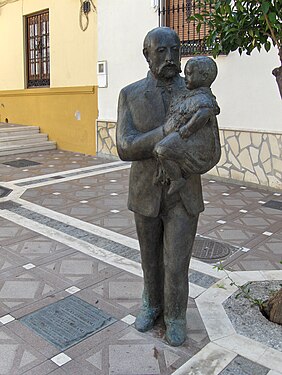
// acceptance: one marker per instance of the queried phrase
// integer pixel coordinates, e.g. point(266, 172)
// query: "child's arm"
point(197, 121)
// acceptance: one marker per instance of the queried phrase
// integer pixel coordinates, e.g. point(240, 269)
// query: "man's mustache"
point(169, 66)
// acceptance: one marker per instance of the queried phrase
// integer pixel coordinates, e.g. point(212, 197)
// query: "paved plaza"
point(69, 254)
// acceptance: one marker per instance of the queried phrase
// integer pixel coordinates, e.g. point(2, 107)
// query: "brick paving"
point(65, 229)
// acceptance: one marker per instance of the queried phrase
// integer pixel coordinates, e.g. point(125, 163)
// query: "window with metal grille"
point(38, 49)
point(174, 14)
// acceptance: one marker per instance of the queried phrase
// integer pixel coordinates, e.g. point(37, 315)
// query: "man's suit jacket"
point(141, 114)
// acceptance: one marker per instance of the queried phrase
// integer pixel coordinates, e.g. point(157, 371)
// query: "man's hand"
point(184, 132)
point(168, 127)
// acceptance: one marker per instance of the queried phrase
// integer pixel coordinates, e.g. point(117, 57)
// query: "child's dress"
point(201, 151)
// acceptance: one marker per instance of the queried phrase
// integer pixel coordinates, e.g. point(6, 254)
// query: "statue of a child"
point(187, 150)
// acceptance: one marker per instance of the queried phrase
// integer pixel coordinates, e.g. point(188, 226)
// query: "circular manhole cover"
point(210, 250)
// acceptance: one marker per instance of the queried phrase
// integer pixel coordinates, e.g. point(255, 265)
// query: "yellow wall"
point(54, 111)
point(11, 47)
point(73, 53)
point(73, 79)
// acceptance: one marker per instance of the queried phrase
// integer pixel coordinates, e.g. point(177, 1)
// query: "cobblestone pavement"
point(71, 279)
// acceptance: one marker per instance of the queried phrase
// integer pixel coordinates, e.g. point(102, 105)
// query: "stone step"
point(5, 125)
point(17, 131)
point(30, 147)
point(23, 139)
point(17, 139)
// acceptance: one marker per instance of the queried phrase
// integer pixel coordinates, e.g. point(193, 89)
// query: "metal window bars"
point(174, 13)
point(38, 50)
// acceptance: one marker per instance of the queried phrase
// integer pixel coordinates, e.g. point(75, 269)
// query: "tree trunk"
point(277, 72)
point(273, 308)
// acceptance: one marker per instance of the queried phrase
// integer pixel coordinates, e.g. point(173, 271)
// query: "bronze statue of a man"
point(166, 223)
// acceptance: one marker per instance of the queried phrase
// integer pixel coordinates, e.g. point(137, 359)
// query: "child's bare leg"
point(174, 174)
point(169, 159)
point(171, 168)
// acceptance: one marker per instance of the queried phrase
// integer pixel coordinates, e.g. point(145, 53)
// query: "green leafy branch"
point(244, 290)
point(239, 24)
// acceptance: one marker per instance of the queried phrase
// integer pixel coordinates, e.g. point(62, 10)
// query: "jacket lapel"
point(154, 101)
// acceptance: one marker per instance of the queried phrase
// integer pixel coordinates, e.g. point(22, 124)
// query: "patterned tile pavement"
point(40, 265)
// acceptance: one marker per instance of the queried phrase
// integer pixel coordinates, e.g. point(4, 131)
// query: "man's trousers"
point(166, 247)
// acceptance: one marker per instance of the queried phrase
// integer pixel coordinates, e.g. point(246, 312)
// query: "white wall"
point(122, 26)
point(245, 88)
point(247, 92)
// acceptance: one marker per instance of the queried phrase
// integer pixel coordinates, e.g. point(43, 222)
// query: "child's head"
point(200, 71)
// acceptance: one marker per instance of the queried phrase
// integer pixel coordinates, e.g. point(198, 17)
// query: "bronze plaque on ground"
point(67, 322)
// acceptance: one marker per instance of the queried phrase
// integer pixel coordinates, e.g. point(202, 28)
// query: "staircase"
point(17, 139)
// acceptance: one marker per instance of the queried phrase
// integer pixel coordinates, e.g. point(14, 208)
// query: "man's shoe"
point(176, 332)
point(145, 320)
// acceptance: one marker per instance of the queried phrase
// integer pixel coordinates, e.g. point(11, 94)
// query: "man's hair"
point(205, 65)
point(158, 31)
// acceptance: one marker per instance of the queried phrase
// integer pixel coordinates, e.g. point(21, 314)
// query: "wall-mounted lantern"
point(86, 6)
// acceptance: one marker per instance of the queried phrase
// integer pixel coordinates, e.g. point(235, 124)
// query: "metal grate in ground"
point(67, 322)
point(4, 192)
point(277, 205)
point(21, 163)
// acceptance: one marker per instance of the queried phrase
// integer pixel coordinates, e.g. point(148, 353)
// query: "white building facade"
point(251, 112)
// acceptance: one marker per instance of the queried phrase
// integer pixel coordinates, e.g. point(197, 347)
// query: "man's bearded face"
point(164, 57)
